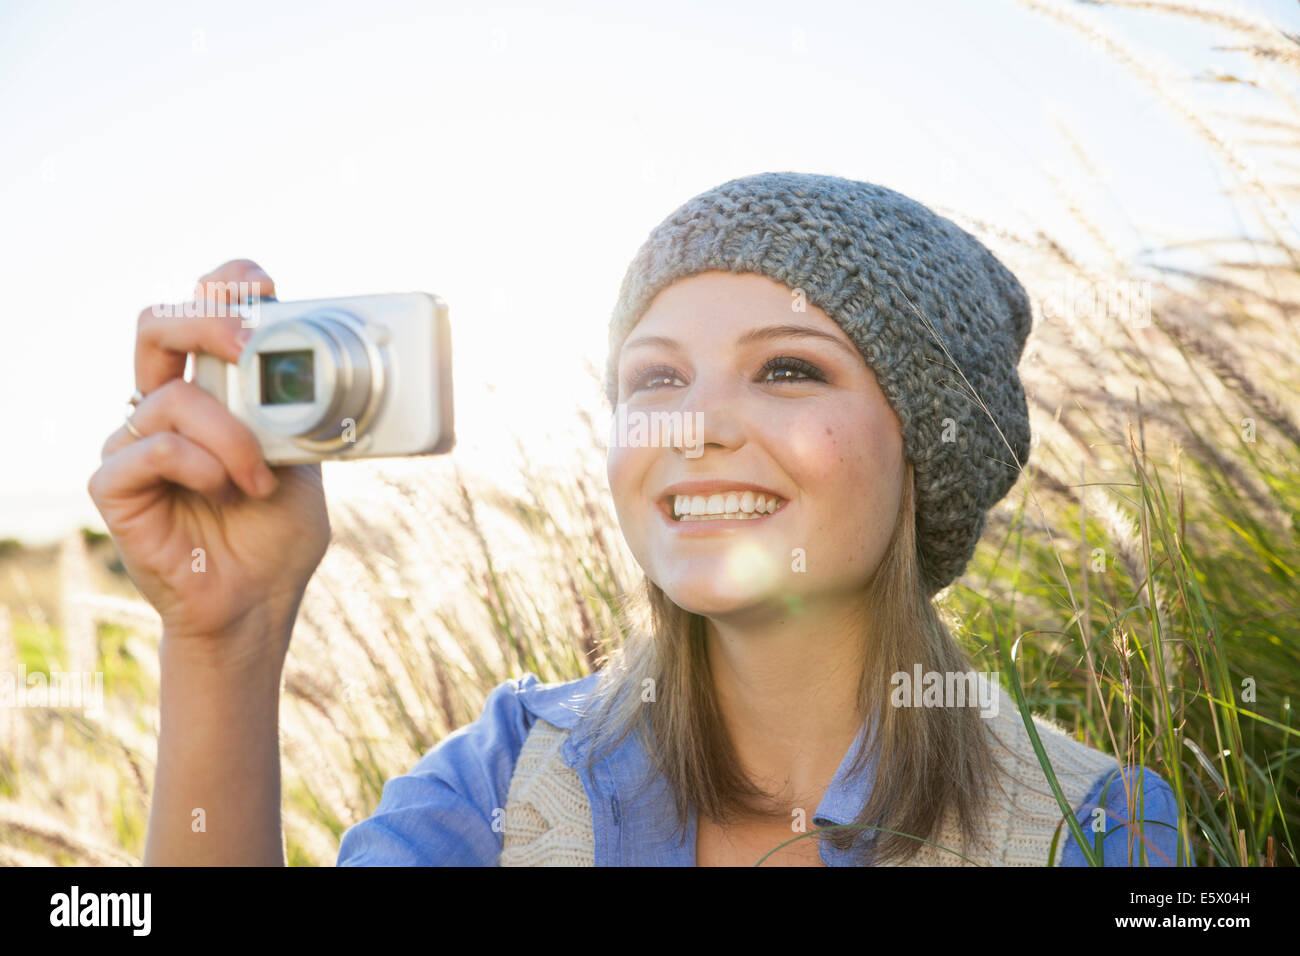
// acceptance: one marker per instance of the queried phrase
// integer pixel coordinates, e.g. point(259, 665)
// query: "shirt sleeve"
point(1157, 822)
point(447, 810)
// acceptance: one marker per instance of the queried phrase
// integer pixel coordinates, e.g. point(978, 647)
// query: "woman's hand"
point(206, 530)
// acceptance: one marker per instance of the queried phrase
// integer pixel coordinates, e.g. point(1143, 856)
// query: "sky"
point(511, 158)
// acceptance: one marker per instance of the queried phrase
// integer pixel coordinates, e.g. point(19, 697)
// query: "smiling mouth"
point(731, 506)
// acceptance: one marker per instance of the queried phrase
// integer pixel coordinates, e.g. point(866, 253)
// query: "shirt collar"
point(847, 792)
point(569, 706)
point(564, 705)
point(559, 704)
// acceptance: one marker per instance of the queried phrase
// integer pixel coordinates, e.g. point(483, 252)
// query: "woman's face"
point(799, 416)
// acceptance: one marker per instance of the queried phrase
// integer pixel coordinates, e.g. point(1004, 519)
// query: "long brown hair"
point(929, 761)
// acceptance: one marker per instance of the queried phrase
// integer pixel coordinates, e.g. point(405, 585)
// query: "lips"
point(737, 505)
point(712, 524)
point(748, 492)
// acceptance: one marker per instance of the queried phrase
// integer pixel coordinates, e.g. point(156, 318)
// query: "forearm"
point(217, 786)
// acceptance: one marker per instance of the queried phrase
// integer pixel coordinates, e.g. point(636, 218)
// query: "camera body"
point(337, 379)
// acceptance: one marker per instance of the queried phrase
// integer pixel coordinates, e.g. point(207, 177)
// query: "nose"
point(710, 417)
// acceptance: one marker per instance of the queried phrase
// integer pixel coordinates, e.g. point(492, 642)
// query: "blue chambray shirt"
point(442, 813)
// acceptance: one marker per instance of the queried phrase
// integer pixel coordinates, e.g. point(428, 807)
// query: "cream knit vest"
point(548, 816)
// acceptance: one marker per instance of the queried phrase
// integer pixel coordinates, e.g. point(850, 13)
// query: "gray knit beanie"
point(938, 319)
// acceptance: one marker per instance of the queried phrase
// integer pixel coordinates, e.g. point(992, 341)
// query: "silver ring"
point(136, 398)
point(131, 428)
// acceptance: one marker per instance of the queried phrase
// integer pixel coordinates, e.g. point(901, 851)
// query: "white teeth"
point(741, 504)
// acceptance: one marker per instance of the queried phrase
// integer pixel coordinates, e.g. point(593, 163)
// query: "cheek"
point(848, 466)
point(625, 468)
point(628, 470)
point(824, 454)
point(616, 471)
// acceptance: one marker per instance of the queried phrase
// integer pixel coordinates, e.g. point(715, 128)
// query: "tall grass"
point(1140, 579)
point(1145, 569)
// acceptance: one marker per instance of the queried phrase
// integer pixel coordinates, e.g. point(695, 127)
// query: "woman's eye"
point(655, 373)
point(651, 378)
point(785, 363)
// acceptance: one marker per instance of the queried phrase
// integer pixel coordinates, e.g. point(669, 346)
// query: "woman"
point(850, 360)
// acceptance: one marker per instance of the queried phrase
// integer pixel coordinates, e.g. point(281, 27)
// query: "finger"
point(162, 342)
point(166, 333)
point(118, 440)
point(235, 281)
point(146, 464)
point(183, 407)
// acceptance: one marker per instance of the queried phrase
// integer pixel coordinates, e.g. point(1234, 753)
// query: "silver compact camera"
point(333, 379)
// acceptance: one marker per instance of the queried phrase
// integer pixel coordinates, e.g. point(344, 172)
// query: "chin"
point(715, 596)
point(742, 573)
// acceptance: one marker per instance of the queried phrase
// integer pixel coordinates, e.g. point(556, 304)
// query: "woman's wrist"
point(253, 647)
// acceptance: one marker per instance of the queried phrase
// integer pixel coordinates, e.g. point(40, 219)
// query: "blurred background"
point(511, 159)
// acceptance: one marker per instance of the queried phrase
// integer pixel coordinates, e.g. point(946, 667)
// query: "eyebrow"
point(764, 334)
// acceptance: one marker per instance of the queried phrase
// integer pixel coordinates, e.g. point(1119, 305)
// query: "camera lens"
point(287, 377)
point(314, 378)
